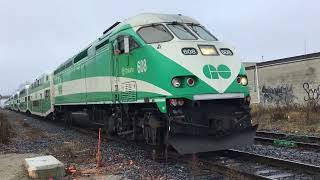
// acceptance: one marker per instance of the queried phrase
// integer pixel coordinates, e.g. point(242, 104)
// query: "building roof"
point(248, 64)
point(305, 57)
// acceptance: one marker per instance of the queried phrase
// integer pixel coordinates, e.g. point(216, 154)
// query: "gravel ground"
point(308, 157)
point(121, 159)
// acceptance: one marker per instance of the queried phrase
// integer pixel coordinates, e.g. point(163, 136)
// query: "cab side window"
point(132, 44)
point(121, 44)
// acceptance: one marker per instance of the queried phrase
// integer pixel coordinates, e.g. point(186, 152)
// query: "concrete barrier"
point(44, 167)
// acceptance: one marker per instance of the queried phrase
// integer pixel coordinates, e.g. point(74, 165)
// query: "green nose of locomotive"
point(208, 105)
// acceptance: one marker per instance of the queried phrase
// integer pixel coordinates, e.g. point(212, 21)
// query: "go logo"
point(212, 72)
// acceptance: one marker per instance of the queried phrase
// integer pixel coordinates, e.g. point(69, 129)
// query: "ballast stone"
point(44, 167)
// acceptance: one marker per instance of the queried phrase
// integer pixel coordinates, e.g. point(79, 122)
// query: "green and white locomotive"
point(158, 77)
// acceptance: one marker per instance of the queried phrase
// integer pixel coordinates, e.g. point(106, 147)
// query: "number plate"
point(189, 51)
point(226, 51)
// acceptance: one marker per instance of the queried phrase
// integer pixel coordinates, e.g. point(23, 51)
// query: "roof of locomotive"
point(152, 18)
point(148, 19)
point(139, 20)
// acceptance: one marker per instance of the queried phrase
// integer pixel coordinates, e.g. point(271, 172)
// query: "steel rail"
point(290, 140)
point(285, 136)
point(284, 166)
point(232, 172)
point(294, 165)
point(311, 146)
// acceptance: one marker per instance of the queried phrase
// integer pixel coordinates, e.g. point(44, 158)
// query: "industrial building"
point(285, 81)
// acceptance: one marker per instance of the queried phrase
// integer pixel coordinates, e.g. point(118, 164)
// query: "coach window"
point(47, 93)
point(155, 33)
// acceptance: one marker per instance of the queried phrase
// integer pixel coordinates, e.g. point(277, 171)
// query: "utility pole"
point(305, 46)
point(257, 82)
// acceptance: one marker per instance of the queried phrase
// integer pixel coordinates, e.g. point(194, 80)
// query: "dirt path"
point(11, 166)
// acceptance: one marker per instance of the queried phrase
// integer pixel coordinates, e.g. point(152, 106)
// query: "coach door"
point(41, 103)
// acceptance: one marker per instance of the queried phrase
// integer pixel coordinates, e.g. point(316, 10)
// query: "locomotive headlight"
point(208, 50)
point(243, 80)
point(176, 82)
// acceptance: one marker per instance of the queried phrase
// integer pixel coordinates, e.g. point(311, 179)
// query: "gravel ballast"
point(123, 159)
point(120, 158)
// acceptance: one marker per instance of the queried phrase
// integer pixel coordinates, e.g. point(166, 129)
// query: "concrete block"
point(43, 167)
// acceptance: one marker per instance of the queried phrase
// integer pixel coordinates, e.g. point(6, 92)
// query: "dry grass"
point(303, 119)
point(6, 131)
point(26, 125)
point(74, 152)
point(32, 134)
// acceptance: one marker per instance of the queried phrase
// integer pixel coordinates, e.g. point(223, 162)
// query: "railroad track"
point(290, 140)
point(237, 164)
point(242, 165)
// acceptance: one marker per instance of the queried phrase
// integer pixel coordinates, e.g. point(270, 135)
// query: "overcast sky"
point(37, 35)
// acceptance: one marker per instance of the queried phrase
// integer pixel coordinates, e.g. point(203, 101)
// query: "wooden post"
point(98, 153)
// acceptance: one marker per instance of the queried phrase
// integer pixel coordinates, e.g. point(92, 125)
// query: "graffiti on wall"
point(312, 94)
point(278, 95)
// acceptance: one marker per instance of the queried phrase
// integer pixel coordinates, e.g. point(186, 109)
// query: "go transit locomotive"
point(158, 77)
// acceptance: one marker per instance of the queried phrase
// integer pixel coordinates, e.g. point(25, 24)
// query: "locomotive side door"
point(120, 64)
point(115, 72)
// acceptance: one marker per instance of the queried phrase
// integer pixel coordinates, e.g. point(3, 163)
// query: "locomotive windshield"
point(202, 32)
point(181, 32)
point(155, 34)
